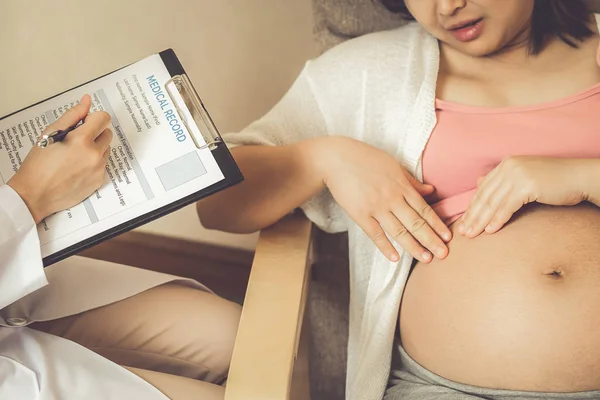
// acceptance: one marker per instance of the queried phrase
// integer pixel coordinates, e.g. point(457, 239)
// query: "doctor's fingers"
point(105, 157)
point(72, 116)
point(103, 140)
point(94, 126)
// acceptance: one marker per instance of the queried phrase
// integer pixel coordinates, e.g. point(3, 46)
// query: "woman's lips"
point(468, 32)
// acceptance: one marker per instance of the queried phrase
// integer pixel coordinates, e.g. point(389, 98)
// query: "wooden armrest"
point(267, 341)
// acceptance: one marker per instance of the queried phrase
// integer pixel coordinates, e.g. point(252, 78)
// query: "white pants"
point(185, 352)
point(169, 332)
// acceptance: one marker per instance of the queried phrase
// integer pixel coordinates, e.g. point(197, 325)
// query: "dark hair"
point(566, 19)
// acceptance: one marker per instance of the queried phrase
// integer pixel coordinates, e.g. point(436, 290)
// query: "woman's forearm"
point(277, 179)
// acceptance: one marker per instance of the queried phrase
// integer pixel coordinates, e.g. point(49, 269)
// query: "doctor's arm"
point(49, 180)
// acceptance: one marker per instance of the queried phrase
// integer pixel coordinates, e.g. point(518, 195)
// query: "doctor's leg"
point(179, 388)
point(171, 329)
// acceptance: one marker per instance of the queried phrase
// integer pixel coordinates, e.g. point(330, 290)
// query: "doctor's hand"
point(382, 197)
point(65, 173)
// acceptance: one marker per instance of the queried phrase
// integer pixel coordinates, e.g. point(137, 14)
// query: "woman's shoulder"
point(399, 47)
point(408, 33)
point(383, 44)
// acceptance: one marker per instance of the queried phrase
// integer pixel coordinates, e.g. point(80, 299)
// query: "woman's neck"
point(513, 59)
point(515, 77)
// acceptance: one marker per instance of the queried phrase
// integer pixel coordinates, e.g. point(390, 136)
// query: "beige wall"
point(241, 55)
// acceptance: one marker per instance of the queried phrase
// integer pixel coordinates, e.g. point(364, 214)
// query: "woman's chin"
point(480, 47)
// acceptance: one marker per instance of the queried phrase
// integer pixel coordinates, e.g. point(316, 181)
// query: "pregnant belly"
point(519, 309)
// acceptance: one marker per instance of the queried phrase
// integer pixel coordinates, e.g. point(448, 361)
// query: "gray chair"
point(328, 295)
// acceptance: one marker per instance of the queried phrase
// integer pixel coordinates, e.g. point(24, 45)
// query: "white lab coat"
point(36, 365)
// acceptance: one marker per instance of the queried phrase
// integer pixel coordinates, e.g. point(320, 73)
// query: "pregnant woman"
point(495, 106)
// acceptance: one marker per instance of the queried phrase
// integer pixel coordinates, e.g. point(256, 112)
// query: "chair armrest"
point(269, 332)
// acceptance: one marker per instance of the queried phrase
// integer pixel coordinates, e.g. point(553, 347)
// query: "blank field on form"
point(181, 170)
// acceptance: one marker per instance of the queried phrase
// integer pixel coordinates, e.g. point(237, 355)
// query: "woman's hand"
point(381, 196)
point(65, 173)
point(520, 180)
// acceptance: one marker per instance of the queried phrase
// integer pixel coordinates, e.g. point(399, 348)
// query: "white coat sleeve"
point(21, 268)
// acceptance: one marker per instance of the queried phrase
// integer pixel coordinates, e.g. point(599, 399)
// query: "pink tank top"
point(468, 142)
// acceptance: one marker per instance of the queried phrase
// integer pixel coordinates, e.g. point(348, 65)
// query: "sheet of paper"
point(153, 160)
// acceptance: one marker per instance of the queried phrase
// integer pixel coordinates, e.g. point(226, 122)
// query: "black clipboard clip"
point(192, 112)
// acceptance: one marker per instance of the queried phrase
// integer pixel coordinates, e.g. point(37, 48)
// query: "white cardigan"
point(380, 89)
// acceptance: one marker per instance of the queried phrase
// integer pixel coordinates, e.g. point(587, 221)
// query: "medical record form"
point(165, 153)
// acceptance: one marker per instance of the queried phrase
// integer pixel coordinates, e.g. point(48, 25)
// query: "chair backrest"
point(339, 20)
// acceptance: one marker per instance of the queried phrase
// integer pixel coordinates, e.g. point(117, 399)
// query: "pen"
point(56, 136)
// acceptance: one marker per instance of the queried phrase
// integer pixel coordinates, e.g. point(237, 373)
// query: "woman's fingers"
point(426, 212)
point(511, 203)
point(416, 201)
point(483, 214)
point(412, 230)
point(413, 224)
point(423, 189)
point(420, 229)
point(477, 203)
point(401, 235)
point(485, 204)
point(374, 230)
point(480, 202)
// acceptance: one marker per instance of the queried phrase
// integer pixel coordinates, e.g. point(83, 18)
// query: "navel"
point(555, 273)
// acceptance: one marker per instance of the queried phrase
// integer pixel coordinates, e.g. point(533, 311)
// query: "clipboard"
point(197, 115)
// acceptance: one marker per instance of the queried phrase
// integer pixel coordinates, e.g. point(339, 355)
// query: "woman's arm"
point(290, 155)
point(368, 184)
point(277, 180)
